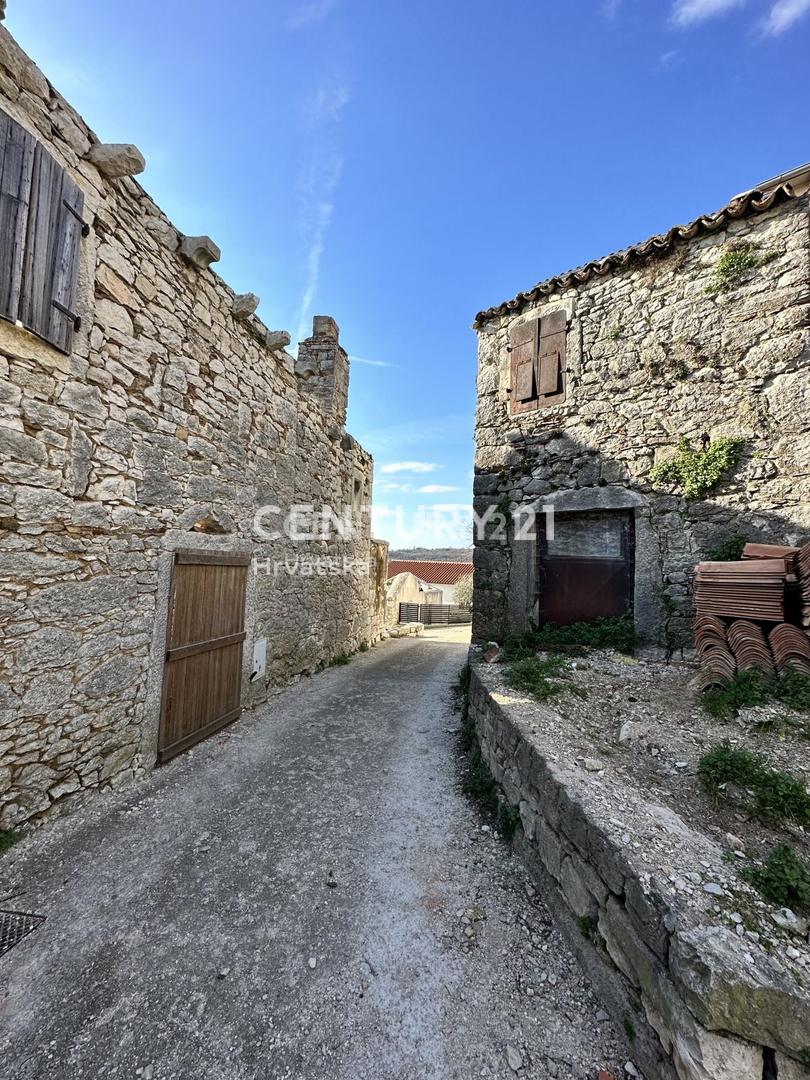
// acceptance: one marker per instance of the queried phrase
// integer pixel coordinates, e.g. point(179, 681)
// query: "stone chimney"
point(322, 368)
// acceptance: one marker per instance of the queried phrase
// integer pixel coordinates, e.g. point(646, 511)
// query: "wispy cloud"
point(611, 8)
point(435, 489)
point(413, 434)
point(410, 467)
point(687, 12)
point(311, 13)
point(668, 60)
point(321, 113)
point(784, 14)
point(374, 363)
point(318, 208)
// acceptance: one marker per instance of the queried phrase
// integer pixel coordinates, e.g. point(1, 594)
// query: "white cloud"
point(311, 13)
point(318, 208)
point(435, 489)
point(327, 103)
point(667, 60)
point(374, 363)
point(784, 14)
point(687, 12)
point(410, 467)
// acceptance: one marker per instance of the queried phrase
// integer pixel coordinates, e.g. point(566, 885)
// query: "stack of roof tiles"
point(752, 588)
point(803, 572)
point(791, 648)
point(747, 594)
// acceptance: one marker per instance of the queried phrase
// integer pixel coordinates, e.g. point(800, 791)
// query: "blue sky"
point(400, 165)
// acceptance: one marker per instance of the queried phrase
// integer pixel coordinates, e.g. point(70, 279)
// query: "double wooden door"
point(204, 641)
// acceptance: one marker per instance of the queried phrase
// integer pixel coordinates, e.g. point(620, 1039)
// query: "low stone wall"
point(696, 1000)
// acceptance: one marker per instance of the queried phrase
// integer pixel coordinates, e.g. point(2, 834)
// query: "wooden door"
point(204, 641)
point(585, 569)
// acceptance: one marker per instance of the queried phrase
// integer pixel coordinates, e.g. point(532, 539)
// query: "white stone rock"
point(115, 160)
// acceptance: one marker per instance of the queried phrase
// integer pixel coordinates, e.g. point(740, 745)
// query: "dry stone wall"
point(176, 416)
point(657, 350)
point(700, 1001)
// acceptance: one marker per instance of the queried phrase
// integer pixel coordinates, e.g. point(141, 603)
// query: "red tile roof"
point(434, 573)
point(752, 202)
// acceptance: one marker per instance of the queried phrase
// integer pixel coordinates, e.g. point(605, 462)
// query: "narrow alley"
point(309, 895)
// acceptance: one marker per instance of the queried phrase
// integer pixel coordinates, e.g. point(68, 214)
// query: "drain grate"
point(14, 926)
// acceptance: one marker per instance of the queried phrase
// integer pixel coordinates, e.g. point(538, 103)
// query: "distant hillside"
point(433, 554)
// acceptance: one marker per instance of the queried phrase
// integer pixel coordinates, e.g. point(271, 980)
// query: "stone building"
point(154, 434)
point(594, 378)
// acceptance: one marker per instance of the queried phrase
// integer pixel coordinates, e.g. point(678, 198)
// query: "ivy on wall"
point(698, 472)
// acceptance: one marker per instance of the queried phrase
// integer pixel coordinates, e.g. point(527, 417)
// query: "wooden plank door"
point(204, 642)
point(585, 569)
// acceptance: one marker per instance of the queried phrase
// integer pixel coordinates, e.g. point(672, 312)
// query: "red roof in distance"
point(435, 573)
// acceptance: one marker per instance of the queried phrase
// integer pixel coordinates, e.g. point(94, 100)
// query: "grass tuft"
point(783, 879)
point(777, 795)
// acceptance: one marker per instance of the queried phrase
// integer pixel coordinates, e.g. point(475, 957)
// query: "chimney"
point(322, 369)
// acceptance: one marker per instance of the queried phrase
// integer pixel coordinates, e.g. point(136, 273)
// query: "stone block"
point(580, 899)
point(112, 679)
point(244, 306)
point(21, 447)
point(726, 992)
point(115, 160)
point(200, 251)
point(651, 914)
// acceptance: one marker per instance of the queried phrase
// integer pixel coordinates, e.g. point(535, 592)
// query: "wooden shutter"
point(51, 270)
point(16, 170)
point(524, 339)
point(551, 354)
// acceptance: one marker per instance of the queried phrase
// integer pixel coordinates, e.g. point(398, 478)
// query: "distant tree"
point(464, 591)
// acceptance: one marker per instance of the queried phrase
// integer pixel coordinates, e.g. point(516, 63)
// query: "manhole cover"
point(14, 926)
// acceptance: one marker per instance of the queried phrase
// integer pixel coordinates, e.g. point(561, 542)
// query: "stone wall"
point(692, 997)
point(175, 417)
point(657, 351)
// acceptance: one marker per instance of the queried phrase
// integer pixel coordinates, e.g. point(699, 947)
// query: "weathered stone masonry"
point(700, 1006)
point(654, 351)
point(175, 415)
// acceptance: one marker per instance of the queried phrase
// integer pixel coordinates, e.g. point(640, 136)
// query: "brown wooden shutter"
point(16, 170)
point(52, 253)
point(551, 354)
point(524, 339)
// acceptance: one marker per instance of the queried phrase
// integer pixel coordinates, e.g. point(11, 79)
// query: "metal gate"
point(586, 566)
point(204, 641)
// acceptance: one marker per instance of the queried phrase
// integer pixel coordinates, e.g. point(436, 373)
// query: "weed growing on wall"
point(698, 472)
point(735, 264)
point(777, 795)
point(783, 879)
point(728, 550)
point(7, 838)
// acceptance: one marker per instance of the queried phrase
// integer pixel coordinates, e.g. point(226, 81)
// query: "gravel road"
point(307, 896)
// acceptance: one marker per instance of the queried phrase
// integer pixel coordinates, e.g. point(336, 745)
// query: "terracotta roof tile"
point(752, 202)
point(435, 573)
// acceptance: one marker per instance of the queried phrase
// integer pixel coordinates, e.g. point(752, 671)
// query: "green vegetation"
point(735, 263)
point(777, 795)
point(698, 472)
point(804, 1058)
point(680, 371)
point(783, 879)
point(728, 550)
point(629, 1030)
point(618, 633)
point(504, 507)
point(364, 646)
point(7, 838)
point(481, 783)
point(531, 675)
point(615, 332)
point(752, 687)
point(340, 660)
point(587, 926)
